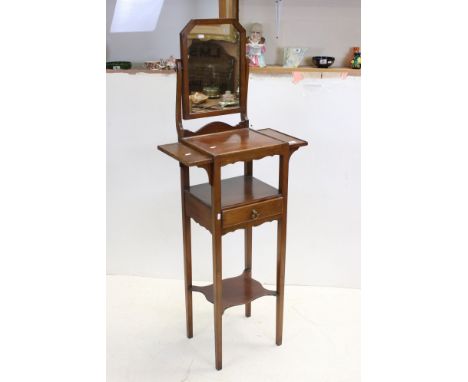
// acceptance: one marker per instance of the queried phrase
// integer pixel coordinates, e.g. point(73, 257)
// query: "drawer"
point(251, 213)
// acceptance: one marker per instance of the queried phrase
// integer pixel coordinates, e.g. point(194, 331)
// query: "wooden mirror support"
point(225, 205)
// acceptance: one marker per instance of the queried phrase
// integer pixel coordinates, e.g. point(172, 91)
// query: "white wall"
point(326, 27)
point(164, 40)
point(144, 217)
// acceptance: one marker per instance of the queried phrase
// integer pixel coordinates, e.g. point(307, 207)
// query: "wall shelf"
point(303, 69)
point(140, 70)
point(267, 70)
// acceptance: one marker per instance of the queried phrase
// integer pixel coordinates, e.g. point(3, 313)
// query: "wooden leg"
point(218, 303)
point(248, 170)
point(186, 229)
point(188, 275)
point(248, 262)
point(280, 268)
point(217, 263)
point(281, 245)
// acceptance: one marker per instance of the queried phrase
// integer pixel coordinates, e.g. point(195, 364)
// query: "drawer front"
point(252, 212)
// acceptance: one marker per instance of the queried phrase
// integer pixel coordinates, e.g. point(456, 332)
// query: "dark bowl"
point(323, 61)
point(125, 65)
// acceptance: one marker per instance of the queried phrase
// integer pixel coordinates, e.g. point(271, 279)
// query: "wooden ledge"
point(185, 154)
point(293, 142)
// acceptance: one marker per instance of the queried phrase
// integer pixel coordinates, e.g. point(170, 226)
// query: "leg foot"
point(248, 312)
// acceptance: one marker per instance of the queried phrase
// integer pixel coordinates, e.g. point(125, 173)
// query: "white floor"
point(146, 335)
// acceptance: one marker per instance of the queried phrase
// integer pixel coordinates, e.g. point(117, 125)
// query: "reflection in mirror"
point(213, 68)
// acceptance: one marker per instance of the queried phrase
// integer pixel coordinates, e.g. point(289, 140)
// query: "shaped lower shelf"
point(236, 291)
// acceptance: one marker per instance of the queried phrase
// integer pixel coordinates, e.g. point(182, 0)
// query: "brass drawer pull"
point(255, 214)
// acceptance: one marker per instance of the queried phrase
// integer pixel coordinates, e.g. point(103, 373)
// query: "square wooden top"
point(233, 145)
point(233, 142)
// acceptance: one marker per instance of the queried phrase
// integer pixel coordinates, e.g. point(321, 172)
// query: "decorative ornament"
point(255, 46)
point(356, 61)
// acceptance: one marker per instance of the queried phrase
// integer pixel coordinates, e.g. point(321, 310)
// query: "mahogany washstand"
point(225, 205)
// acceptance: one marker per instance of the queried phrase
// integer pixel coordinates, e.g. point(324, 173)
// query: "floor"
point(146, 335)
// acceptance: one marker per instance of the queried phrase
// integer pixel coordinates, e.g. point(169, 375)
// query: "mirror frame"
point(184, 34)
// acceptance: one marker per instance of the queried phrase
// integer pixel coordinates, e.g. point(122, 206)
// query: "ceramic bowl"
point(323, 61)
point(211, 91)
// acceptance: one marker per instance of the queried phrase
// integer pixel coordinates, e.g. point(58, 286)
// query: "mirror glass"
point(213, 68)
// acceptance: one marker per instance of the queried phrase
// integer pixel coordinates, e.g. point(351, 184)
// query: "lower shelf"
point(236, 291)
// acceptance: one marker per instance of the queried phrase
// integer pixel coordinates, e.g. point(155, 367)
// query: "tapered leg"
point(248, 262)
point(188, 276)
point(218, 303)
point(248, 170)
point(217, 263)
point(280, 268)
point(281, 245)
point(186, 229)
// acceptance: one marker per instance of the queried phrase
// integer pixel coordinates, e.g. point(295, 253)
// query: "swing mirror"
point(213, 68)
